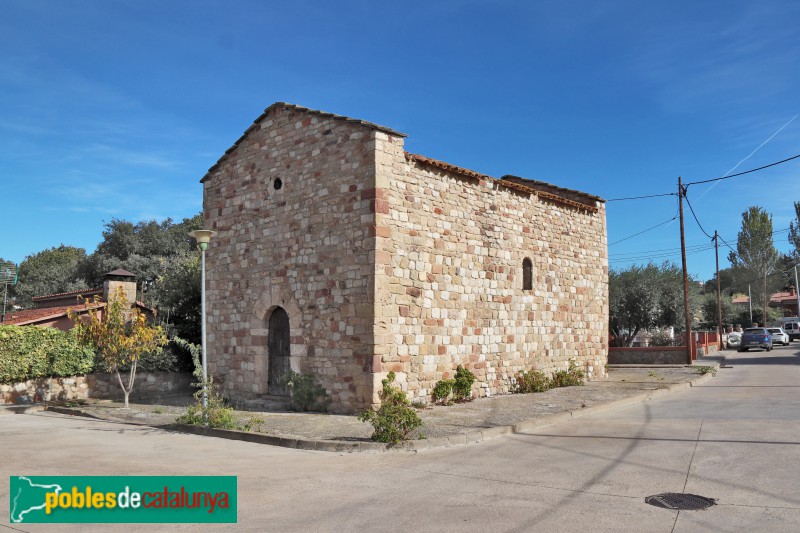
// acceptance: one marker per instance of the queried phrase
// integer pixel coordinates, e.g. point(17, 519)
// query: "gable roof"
point(121, 272)
point(285, 105)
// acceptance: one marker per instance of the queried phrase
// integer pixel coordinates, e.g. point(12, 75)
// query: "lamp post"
point(203, 236)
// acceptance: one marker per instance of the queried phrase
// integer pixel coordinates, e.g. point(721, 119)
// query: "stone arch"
point(278, 356)
point(270, 300)
point(527, 274)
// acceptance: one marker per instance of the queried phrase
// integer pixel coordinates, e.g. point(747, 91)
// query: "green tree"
point(756, 255)
point(147, 248)
point(10, 295)
point(727, 282)
point(176, 294)
point(643, 297)
point(794, 232)
point(709, 308)
point(163, 257)
point(49, 272)
point(120, 336)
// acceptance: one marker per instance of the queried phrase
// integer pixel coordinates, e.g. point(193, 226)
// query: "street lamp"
point(203, 236)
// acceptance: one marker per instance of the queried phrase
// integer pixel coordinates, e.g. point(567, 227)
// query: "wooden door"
point(278, 350)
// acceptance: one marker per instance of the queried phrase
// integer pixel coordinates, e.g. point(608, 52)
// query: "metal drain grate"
point(680, 502)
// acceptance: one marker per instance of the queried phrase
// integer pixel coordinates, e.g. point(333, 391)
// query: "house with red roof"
point(50, 310)
point(784, 301)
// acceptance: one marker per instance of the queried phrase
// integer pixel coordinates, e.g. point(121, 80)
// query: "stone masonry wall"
point(449, 278)
point(664, 355)
point(307, 246)
point(148, 385)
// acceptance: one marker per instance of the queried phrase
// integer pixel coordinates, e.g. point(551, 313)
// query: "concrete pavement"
point(735, 438)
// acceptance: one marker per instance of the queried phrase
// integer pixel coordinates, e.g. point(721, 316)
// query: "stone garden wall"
point(657, 355)
point(148, 385)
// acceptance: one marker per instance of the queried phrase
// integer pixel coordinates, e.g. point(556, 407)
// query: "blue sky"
point(117, 109)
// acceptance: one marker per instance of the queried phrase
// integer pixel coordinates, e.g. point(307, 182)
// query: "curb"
point(339, 446)
point(20, 409)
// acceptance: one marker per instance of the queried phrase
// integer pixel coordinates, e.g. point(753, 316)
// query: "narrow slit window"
point(527, 275)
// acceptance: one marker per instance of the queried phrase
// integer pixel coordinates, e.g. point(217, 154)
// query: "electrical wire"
point(666, 251)
point(641, 197)
point(743, 173)
point(695, 216)
point(630, 260)
point(644, 231)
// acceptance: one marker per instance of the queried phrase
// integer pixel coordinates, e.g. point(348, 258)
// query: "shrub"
point(217, 413)
point(535, 381)
point(395, 418)
point(660, 338)
point(256, 423)
point(707, 370)
point(442, 390)
point(306, 395)
point(567, 378)
point(462, 388)
point(28, 352)
point(531, 381)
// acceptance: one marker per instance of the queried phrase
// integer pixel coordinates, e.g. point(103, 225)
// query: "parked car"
point(793, 330)
point(734, 339)
point(779, 336)
point(756, 338)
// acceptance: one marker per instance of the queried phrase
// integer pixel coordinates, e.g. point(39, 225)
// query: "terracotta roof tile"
point(783, 297)
point(29, 316)
point(89, 292)
point(521, 184)
point(549, 187)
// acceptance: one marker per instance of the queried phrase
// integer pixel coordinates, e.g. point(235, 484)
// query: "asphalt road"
point(735, 439)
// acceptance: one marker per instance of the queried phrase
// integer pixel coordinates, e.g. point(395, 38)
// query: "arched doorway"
point(278, 351)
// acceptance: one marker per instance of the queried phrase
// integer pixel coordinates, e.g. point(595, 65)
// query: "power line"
point(729, 246)
point(633, 259)
point(760, 278)
point(644, 231)
point(745, 172)
point(663, 250)
point(695, 215)
point(640, 197)
point(686, 186)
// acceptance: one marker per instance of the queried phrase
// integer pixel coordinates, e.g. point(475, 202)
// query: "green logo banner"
point(122, 499)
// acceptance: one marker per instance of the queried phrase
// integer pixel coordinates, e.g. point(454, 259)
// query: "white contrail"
point(714, 184)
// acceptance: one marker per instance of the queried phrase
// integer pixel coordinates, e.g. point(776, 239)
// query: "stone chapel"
point(341, 255)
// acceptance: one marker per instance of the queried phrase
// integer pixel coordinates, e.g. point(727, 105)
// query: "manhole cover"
point(680, 502)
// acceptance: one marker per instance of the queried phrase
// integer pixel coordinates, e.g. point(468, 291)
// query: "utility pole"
point(797, 291)
point(765, 298)
point(687, 311)
point(750, 301)
point(719, 292)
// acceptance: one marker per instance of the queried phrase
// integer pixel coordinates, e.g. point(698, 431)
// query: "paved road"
point(736, 439)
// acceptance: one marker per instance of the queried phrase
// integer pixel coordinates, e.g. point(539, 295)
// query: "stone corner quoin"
point(342, 256)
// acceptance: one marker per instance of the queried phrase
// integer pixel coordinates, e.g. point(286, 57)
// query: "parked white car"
point(792, 329)
point(779, 336)
point(734, 339)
